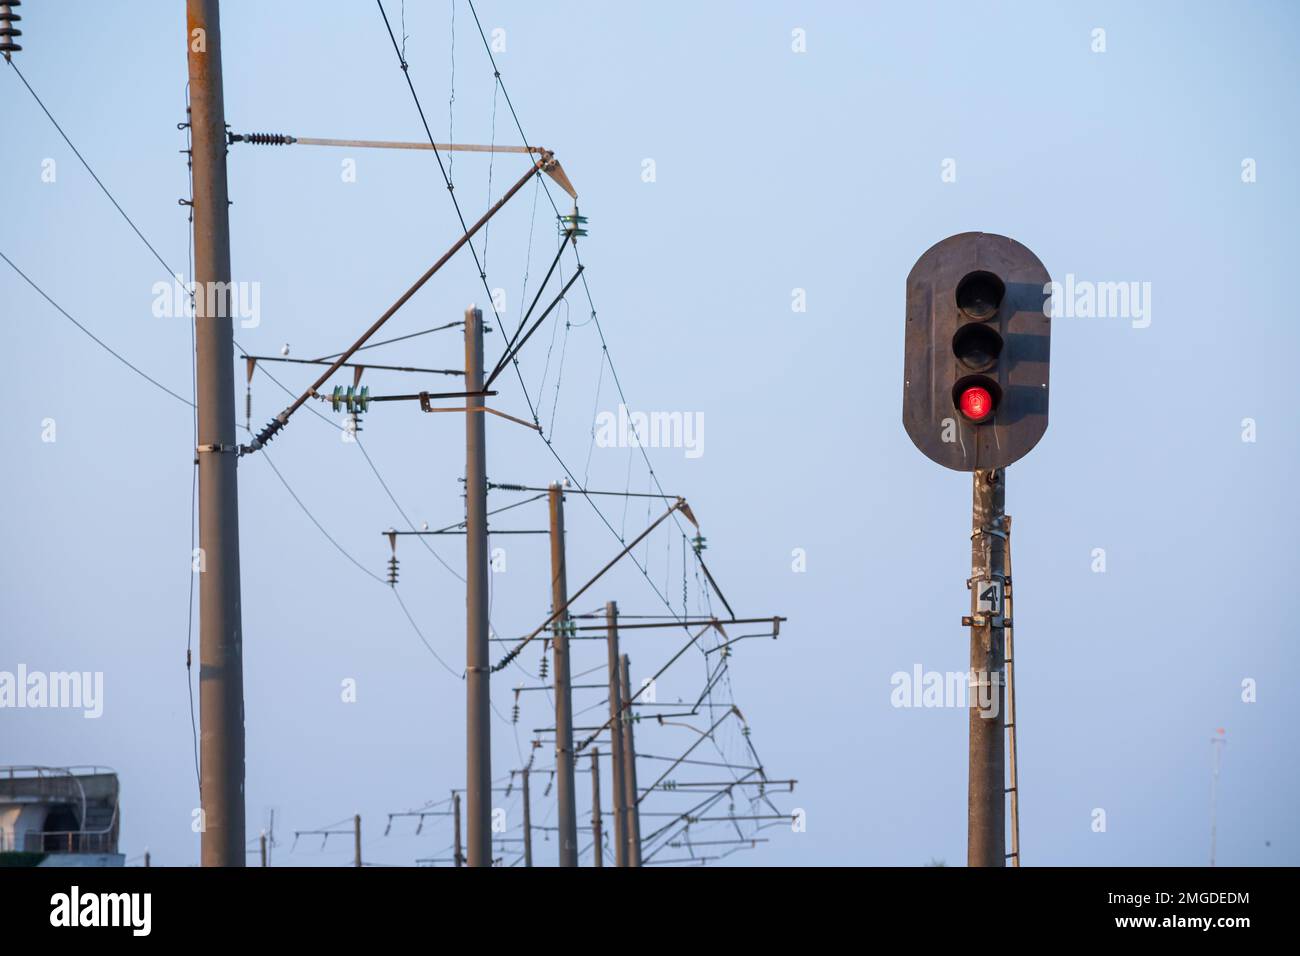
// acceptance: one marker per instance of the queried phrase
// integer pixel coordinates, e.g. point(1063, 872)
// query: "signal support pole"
point(356, 838)
point(221, 640)
point(478, 702)
point(616, 737)
point(986, 838)
point(633, 811)
point(567, 811)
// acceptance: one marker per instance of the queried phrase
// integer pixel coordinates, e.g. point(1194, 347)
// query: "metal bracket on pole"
point(985, 620)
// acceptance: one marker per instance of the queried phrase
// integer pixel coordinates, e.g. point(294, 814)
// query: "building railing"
point(67, 841)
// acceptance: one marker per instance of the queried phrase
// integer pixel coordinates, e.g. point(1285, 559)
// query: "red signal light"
point(977, 398)
point(976, 403)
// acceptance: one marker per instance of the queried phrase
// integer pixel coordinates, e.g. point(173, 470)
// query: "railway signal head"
point(977, 348)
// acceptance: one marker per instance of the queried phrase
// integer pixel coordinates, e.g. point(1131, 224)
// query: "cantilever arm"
point(282, 419)
point(552, 166)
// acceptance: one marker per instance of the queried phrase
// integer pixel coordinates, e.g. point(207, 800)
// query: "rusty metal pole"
point(528, 822)
point(986, 820)
point(221, 641)
point(478, 668)
point(566, 806)
point(630, 801)
point(458, 851)
point(356, 839)
point(616, 737)
point(598, 857)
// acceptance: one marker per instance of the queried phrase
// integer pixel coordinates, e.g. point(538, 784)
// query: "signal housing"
point(976, 319)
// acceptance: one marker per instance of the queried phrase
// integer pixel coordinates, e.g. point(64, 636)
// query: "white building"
point(60, 816)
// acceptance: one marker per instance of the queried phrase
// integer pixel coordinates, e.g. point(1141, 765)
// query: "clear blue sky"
point(775, 171)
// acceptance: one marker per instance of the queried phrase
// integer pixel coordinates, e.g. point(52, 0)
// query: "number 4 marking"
point(989, 597)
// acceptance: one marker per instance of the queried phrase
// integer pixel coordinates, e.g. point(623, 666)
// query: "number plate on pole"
point(988, 597)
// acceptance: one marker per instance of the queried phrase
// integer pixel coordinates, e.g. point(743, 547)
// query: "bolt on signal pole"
point(478, 668)
point(221, 641)
point(986, 837)
point(566, 808)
